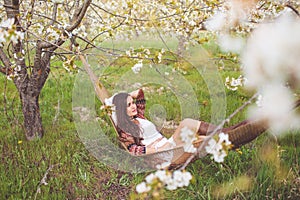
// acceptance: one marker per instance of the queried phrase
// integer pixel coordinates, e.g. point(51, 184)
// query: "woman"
point(141, 137)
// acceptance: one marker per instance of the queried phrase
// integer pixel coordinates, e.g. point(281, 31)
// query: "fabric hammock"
point(179, 156)
point(238, 136)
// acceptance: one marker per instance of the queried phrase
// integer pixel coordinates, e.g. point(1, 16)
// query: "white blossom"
point(18, 68)
point(142, 187)
point(7, 23)
point(20, 35)
point(163, 165)
point(150, 178)
point(224, 138)
point(57, 1)
point(2, 37)
point(188, 137)
point(52, 34)
point(192, 23)
point(216, 148)
point(234, 84)
point(259, 100)
point(137, 67)
point(159, 57)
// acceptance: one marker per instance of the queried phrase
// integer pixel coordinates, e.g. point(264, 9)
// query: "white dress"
point(150, 134)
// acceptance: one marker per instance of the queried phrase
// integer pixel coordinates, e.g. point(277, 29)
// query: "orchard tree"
point(30, 35)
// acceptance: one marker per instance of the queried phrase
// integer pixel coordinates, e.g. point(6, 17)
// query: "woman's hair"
point(124, 121)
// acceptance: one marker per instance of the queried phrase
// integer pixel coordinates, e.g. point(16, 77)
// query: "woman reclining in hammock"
point(141, 136)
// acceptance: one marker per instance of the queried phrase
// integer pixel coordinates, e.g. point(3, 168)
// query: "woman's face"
point(131, 107)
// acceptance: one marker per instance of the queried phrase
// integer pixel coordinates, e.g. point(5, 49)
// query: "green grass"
point(269, 168)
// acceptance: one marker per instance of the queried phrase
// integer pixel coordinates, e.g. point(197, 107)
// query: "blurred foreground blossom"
point(276, 105)
point(271, 61)
point(273, 58)
point(229, 43)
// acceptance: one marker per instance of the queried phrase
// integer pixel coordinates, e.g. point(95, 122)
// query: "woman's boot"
point(247, 132)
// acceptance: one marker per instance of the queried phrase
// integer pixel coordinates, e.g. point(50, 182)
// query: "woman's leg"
point(240, 133)
point(207, 128)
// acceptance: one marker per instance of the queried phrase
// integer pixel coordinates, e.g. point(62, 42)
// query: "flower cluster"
point(218, 149)
point(8, 32)
point(234, 84)
point(188, 137)
point(170, 180)
point(70, 65)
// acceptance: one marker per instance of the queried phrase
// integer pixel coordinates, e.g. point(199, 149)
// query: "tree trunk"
point(181, 46)
point(29, 88)
point(31, 111)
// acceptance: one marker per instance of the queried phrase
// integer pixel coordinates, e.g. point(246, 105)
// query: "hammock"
point(238, 136)
point(179, 156)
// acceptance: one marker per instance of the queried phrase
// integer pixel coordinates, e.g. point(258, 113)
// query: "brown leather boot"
point(247, 132)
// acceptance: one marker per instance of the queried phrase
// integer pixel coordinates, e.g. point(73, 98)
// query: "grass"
point(264, 169)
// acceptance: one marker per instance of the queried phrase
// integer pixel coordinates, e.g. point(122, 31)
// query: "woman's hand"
point(134, 93)
point(150, 150)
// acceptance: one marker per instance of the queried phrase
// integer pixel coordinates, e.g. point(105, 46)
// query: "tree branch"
point(77, 18)
point(44, 179)
point(54, 14)
point(5, 70)
point(4, 59)
point(293, 9)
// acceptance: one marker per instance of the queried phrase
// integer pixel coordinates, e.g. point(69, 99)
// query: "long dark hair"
point(124, 122)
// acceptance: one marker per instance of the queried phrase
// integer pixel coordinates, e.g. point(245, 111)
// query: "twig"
point(219, 127)
point(43, 181)
point(293, 9)
point(56, 113)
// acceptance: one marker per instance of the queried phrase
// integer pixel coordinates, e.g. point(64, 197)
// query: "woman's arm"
point(132, 147)
point(134, 94)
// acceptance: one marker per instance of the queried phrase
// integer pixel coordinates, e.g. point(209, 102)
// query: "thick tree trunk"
point(30, 87)
point(32, 117)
